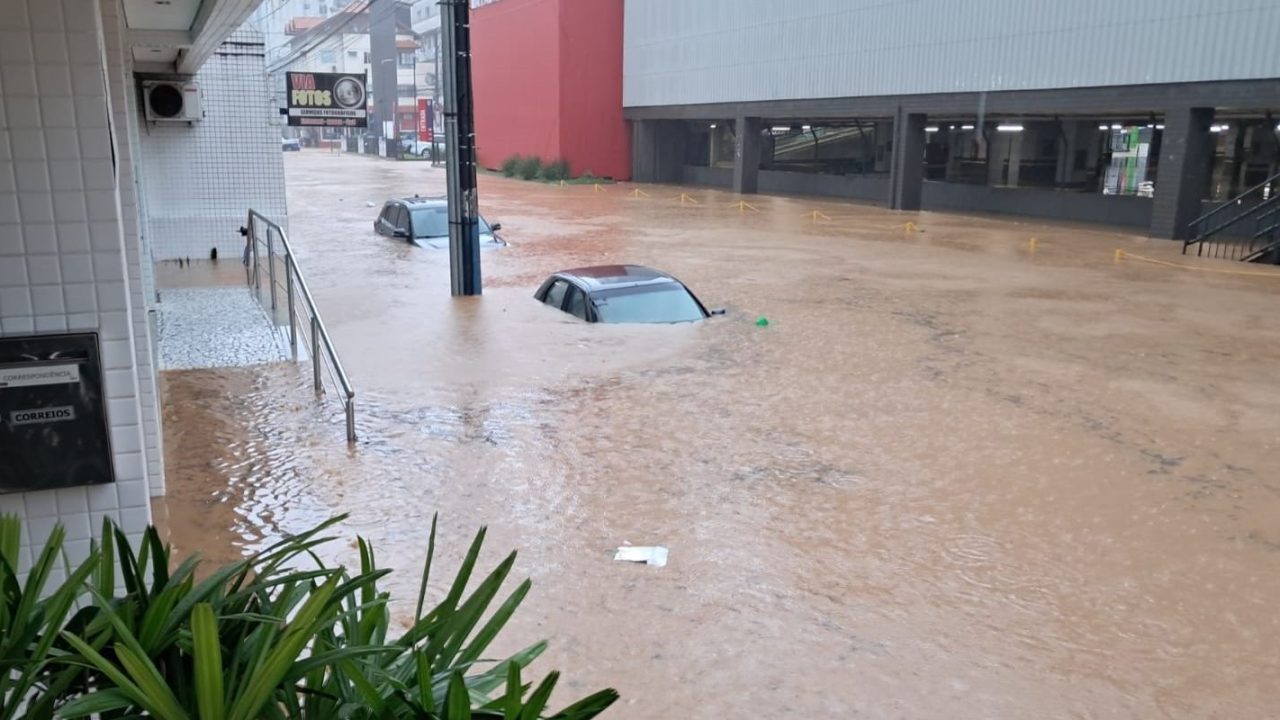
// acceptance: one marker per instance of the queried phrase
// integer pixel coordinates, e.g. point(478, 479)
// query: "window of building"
point(406, 59)
point(324, 9)
point(328, 56)
point(405, 91)
point(353, 53)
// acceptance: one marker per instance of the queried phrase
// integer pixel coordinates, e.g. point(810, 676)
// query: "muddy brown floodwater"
point(956, 476)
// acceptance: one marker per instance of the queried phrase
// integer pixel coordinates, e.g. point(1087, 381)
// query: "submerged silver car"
point(425, 222)
point(622, 294)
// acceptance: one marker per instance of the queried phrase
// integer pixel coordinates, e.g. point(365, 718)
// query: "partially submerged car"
point(622, 294)
point(425, 222)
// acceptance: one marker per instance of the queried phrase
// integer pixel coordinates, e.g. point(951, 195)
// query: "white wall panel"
point(681, 52)
point(200, 179)
point(64, 264)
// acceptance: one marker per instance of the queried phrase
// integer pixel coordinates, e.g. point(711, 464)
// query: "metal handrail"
point(1200, 231)
point(319, 336)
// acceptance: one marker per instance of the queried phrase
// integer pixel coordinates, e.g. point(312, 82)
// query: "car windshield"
point(433, 222)
point(647, 304)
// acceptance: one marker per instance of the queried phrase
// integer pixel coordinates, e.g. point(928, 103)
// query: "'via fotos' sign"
point(327, 100)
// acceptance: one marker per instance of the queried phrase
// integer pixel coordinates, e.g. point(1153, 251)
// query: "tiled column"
point(907, 174)
point(62, 255)
point(746, 155)
point(1186, 156)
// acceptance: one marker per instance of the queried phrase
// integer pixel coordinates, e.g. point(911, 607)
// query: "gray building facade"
point(1141, 113)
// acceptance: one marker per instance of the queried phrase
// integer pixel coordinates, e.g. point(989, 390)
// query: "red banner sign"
point(424, 120)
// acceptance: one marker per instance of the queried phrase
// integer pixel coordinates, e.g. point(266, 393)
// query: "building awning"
point(179, 35)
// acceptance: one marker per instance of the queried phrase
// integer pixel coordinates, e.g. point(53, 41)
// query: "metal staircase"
point(1245, 228)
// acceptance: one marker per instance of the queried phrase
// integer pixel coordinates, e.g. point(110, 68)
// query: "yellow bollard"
point(818, 214)
point(743, 206)
point(1032, 243)
point(563, 183)
point(684, 198)
point(639, 193)
point(598, 188)
point(1119, 255)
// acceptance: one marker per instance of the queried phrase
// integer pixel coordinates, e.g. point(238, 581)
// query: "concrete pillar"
point(1015, 141)
point(1186, 157)
point(644, 151)
point(746, 154)
point(906, 176)
point(657, 151)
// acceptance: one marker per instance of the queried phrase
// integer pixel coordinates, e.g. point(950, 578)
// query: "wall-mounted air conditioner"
point(171, 101)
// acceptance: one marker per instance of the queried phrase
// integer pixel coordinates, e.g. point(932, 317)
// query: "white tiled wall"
point(123, 118)
point(63, 262)
point(200, 179)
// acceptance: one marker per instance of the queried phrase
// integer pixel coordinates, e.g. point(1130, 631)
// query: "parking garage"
point(1138, 118)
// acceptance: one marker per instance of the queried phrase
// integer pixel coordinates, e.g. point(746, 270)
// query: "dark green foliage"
point(556, 170)
point(277, 635)
point(530, 167)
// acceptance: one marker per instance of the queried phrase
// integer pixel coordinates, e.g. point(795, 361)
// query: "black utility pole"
point(382, 61)
point(460, 148)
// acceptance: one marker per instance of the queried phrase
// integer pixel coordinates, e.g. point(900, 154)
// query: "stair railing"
point(270, 251)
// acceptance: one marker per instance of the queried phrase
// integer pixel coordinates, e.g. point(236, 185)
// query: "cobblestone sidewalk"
point(214, 327)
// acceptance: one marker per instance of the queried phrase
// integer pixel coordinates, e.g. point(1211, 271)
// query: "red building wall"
point(515, 75)
point(547, 80)
point(593, 134)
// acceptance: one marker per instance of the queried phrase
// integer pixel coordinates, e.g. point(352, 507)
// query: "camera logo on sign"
point(35, 416)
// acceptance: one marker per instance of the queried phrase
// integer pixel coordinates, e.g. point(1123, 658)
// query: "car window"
point(577, 303)
point(555, 296)
point(401, 219)
point(431, 222)
point(648, 304)
point(385, 217)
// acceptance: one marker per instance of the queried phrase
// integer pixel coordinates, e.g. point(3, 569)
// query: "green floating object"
point(762, 321)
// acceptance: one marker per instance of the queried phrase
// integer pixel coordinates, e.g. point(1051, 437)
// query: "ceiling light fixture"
point(1009, 128)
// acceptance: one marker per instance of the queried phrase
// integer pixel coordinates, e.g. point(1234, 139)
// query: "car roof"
point(420, 201)
point(606, 277)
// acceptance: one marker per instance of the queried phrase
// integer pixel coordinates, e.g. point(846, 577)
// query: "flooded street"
point(959, 474)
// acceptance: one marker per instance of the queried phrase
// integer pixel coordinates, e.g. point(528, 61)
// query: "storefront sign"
point(53, 418)
point(47, 375)
point(327, 100)
point(42, 415)
point(424, 119)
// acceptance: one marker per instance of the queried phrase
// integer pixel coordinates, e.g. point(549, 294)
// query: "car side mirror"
point(718, 312)
point(495, 227)
point(400, 233)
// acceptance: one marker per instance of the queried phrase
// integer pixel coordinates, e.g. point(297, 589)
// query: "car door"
point(556, 293)
point(400, 222)
point(575, 303)
point(405, 222)
point(383, 224)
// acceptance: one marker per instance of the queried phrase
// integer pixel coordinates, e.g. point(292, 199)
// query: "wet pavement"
point(959, 474)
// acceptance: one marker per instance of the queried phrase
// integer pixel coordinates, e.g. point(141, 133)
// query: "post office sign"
point(53, 418)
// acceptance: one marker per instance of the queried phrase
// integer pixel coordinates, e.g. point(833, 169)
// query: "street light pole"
point(460, 140)
point(436, 71)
